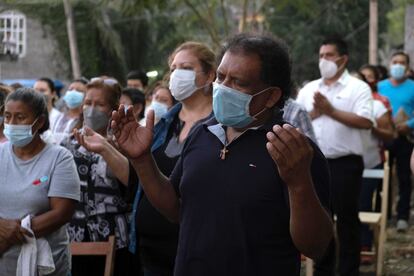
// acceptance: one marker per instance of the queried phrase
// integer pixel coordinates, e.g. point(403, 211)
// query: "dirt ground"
point(399, 247)
point(399, 254)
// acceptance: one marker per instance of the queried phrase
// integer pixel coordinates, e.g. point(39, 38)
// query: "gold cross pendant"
point(223, 153)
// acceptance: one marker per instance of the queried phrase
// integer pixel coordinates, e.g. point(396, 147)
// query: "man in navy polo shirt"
point(249, 192)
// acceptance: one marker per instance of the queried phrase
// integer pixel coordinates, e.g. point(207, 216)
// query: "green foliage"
point(115, 36)
point(395, 18)
point(305, 23)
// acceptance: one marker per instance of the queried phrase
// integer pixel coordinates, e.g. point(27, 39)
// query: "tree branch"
point(244, 16)
point(206, 24)
point(224, 14)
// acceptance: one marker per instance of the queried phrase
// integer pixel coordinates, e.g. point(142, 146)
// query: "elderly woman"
point(102, 210)
point(37, 179)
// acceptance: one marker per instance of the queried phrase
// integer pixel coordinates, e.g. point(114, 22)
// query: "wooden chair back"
point(106, 249)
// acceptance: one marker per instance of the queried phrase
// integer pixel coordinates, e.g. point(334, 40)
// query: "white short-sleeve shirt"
point(372, 156)
point(347, 94)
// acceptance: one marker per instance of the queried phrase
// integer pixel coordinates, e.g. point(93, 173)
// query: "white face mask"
point(327, 68)
point(182, 84)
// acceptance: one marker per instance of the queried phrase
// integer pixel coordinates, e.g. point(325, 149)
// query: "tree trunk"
point(242, 22)
point(73, 45)
point(409, 32)
point(373, 32)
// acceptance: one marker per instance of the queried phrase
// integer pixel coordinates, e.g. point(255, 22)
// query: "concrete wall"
point(409, 33)
point(43, 57)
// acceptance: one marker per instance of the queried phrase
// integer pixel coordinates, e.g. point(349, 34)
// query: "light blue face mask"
point(232, 107)
point(160, 109)
point(19, 135)
point(397, 71)
point(73, 98)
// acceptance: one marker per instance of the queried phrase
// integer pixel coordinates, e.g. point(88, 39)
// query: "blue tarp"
point(30, 82)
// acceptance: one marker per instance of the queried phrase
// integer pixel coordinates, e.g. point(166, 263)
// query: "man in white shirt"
point(341, 110)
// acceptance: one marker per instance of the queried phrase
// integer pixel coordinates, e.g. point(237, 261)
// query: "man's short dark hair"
point(137, 97)
point(138, 75)
point(35, 101)
point(274, 56)
point(401, 53)
point(339, 43)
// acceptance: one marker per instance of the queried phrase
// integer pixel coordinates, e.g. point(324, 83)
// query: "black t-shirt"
point(234, 216)
point(157, 236)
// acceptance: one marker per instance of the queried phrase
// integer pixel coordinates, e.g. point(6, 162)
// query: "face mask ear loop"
point(339, 67)
point(109, 133)
point(264, 109)
point(31, 127)
point(203, 86)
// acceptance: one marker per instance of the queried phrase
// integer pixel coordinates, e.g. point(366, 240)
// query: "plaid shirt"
point(296, 115)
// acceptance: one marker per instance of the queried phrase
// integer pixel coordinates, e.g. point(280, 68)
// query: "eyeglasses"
point(108, 81)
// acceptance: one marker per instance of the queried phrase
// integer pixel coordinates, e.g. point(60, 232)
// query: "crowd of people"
point(224, 167)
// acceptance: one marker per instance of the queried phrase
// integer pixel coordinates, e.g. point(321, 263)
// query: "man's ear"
point(346, 59)
point(274, 97)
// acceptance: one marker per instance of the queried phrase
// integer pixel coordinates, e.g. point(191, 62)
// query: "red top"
point(382, 99)
point(387, 104)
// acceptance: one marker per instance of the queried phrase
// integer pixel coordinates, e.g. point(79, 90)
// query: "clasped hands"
point(11, 233)
point(321, 106)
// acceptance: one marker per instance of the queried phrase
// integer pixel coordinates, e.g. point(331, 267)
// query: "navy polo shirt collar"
point(219, 130)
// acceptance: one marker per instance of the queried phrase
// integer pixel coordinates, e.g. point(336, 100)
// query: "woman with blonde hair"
point(153, 238)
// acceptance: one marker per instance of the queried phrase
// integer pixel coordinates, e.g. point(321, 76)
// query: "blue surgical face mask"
point(19, 135)
point(160, 109)
point(397, 71)
point(73, 98)
point(232, 107)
